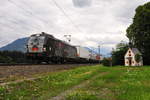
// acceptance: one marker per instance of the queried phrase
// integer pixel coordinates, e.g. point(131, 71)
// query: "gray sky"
point(90, 22)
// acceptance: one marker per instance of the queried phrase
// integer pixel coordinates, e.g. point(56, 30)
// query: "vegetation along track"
point(23, 71)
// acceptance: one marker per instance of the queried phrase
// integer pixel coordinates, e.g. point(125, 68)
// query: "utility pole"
point(68, 37)
point(99, 52)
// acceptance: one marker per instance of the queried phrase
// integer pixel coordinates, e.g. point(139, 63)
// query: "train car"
point(94, 58)
point(83, 55)
point(86, 56)
point(46, 48)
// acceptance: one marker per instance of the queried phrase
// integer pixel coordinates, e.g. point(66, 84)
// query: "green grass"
point(105, 83)
point(47, 86)
point(118, 83)
point(81, 95)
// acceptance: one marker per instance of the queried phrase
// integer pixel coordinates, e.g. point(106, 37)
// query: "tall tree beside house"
point(139, 31)
point(137, 58)
point(118, 53)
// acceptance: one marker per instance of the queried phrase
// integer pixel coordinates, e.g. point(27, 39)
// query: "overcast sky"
point(90, 22)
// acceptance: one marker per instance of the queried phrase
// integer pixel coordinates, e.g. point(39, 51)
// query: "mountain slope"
point(103, 51)
point(17, 45)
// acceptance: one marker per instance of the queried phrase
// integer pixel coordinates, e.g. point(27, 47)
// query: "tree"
point(118, 53)
point(12, 57)
point(137, 58)
point(5, 59)
point(139, 31)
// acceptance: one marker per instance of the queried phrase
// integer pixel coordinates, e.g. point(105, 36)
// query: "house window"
point(133, 62)
point(129, 51)
point(129, 54)
point(127, 62)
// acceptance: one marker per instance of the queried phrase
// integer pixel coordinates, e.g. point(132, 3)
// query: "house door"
point(130, 62)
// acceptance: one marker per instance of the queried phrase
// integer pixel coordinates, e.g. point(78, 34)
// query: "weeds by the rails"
point(110, 83)
point(47, 86)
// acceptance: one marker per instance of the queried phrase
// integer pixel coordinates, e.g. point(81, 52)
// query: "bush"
point(12, 57)
point(106, 62)
point(5, 59)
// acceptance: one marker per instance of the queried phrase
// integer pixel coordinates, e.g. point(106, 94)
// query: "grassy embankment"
point(105, 83)
point(118, 83)
point(47, 86)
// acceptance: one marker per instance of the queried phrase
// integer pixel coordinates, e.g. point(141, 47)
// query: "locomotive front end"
point(35, 47)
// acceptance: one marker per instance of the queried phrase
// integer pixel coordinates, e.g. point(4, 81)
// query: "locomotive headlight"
point(44, 49)
point(50, 48)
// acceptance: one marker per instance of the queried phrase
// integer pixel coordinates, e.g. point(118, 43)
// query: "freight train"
point(44, 47)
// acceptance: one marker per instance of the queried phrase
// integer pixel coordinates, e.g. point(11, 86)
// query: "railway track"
point(30, 64)
point(11, 72)
point(22, 64)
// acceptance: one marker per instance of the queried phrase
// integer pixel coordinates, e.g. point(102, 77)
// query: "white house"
point(130, 59)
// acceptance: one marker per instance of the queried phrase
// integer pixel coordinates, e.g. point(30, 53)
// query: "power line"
point(23, 9)
point(18, 6)
point(27, 11)
point(57, 5)
point(63, 11)
point(10, 27)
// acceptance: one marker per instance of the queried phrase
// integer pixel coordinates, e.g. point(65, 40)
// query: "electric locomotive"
point(46, 48)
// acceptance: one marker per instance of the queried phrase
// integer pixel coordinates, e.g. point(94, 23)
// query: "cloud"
point(82, 3)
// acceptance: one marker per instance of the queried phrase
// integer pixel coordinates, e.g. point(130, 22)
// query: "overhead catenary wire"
point(66, 15)
point(56, 4)
point(28, 11)
point(12, 20)
point(23, 9)
point(20, 7)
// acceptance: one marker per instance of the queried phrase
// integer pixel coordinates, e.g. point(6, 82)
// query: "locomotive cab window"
point(36, 40)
